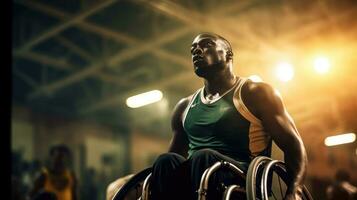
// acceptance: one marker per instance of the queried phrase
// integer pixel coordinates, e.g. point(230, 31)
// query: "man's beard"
point(206, 70)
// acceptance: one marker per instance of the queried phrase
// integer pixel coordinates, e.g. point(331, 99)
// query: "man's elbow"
point(295, 150)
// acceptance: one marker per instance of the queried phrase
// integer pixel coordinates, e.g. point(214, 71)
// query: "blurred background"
point(76, 62)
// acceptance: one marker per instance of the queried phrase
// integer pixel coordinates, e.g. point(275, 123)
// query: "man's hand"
point(294, 195)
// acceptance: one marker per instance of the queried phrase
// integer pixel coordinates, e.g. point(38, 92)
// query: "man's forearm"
point(296, 162)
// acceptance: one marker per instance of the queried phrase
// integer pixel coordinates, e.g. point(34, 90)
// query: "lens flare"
point(340, 139)
point(285, 71)
point(322, 65)
point(255, 78)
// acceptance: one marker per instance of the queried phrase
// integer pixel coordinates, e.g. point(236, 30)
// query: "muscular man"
point(230, 118)
point(56, 179)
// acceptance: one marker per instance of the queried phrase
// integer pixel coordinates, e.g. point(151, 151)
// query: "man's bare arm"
point(179, 142)
point(268, 106)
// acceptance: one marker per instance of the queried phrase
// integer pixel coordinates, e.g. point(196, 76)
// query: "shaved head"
point(217, 37)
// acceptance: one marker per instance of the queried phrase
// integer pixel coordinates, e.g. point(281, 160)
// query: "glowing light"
point(285, 71)
point(144, 99)
point(321, 65)
point(340, 139)
point(255, 78)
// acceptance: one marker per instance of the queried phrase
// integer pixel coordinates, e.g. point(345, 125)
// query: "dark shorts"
point(175, 177)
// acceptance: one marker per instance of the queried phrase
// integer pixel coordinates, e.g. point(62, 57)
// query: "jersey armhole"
point(241, 107)
point(188, 107)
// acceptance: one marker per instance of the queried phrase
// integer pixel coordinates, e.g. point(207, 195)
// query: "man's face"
point(59, 159)
point(209, 55)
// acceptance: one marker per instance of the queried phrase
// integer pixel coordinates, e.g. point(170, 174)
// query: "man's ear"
point(229, 55)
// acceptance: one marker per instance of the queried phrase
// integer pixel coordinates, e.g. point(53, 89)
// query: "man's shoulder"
point(257, 95)
point(183, 104)
point(258, 91)
point(186, 100)
point(257, 88)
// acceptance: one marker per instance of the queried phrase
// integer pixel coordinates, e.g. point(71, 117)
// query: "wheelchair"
point(264, 180)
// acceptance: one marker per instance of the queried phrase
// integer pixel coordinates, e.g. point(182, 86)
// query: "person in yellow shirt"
point(57, 178)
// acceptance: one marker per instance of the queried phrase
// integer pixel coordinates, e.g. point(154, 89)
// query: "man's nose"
point(197, 51)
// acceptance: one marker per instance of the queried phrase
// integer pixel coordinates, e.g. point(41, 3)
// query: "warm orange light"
point(285, 71)
point(340, 139)
point(255, 78)
point(322, 65)
point(144, 99)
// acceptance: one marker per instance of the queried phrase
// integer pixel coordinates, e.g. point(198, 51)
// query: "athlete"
point(57, 178)
point(231, 118)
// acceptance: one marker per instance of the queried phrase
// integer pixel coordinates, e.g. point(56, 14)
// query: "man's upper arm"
point(179, 141)
point(280, 126)
point(269, 108)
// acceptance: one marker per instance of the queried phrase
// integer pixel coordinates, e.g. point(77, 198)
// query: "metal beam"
point(160, 84)
point(62, 26)
point(113, 61)
point(74, 48)
point(88, 26)
point(204, 22)
point(86, 56)
point(110, 78)
point(60, 64)
point(89, 58)
point(105, 32)
point(26, 78)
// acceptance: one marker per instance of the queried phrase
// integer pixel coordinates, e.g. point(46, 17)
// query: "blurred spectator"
point(26, 176)
point(56, 178)
point(341, 189)
point(18, 188)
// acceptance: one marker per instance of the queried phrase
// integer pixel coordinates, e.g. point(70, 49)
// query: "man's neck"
point(220, 83)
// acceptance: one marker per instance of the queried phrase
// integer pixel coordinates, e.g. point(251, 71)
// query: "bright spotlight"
point(144, 99)
point(285, 71)
point(340, 139)
point(255, 78)
point(321, 65)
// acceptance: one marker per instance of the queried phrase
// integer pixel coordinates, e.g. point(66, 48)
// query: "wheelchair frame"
point(266, 164)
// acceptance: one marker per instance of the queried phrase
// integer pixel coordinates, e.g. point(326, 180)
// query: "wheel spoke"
point(281, 190)
point(273, 195)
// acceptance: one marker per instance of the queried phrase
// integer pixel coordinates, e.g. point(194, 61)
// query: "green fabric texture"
point(218, 126)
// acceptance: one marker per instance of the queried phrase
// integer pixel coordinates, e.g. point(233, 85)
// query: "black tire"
point(132, 183)
point(255, 167)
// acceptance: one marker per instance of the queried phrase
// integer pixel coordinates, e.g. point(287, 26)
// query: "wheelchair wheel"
point(276, 170)
point(233, 188)
point(133, 183)
point(255, 168)
point(203, 189)
point(267, 180)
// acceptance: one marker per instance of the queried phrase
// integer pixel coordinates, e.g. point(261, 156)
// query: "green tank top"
point(219, 125)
